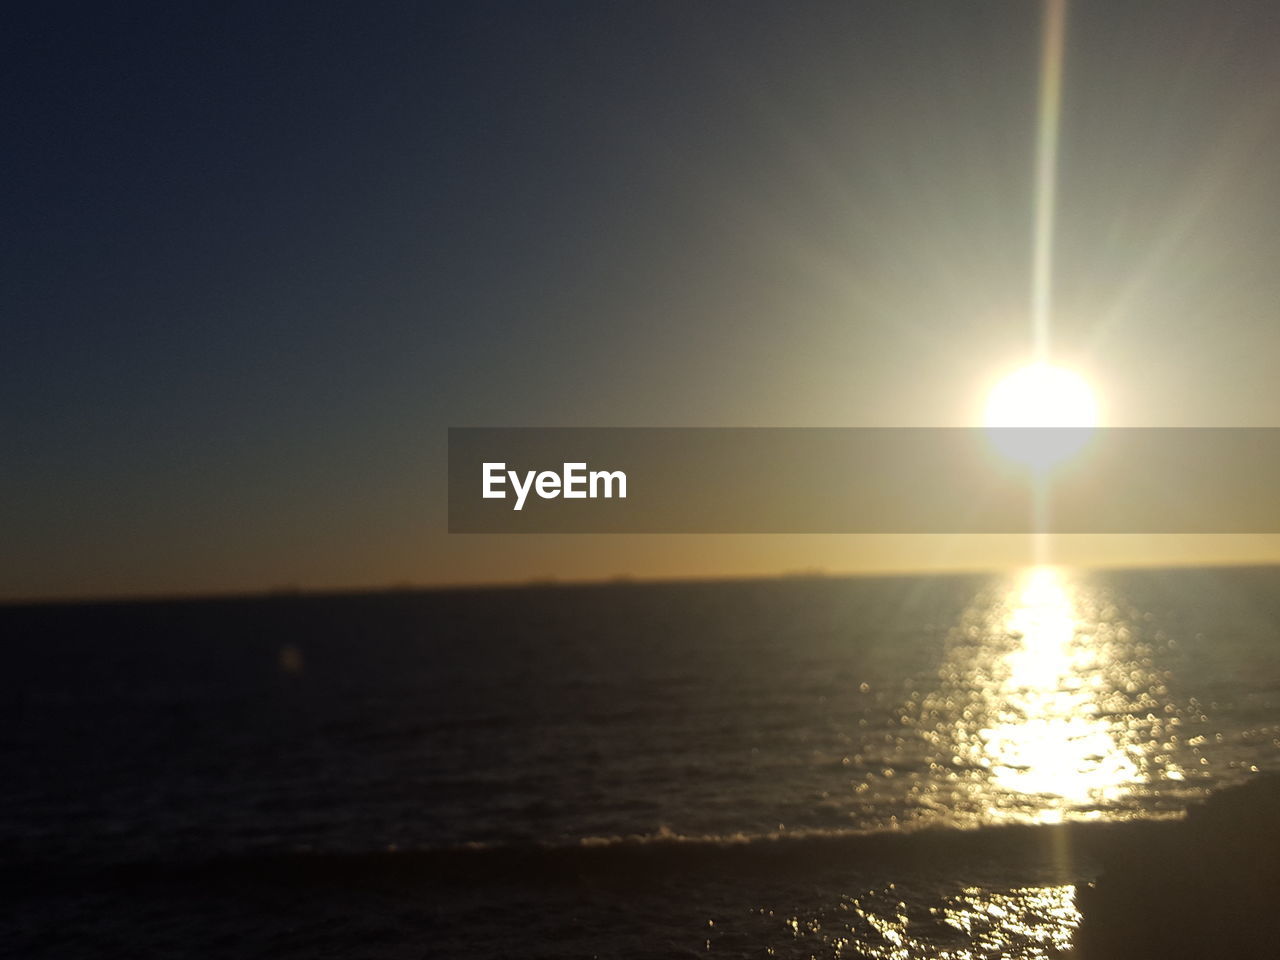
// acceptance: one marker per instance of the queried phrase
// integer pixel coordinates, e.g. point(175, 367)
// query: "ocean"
point(798, 767)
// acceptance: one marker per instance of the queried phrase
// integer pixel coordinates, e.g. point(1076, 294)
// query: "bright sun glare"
point(1040, 396)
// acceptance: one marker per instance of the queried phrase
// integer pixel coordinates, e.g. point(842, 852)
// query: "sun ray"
point(1049, 119)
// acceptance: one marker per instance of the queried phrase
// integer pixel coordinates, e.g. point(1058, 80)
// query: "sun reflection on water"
point(1046, 737)
point(974, 923)
point(1050, 705)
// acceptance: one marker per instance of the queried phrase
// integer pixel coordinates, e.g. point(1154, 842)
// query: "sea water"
point(889, 767)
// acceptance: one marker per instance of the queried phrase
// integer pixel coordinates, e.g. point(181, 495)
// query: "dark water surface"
point(625, 770)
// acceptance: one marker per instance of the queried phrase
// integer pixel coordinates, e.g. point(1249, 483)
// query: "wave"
point(639, 858)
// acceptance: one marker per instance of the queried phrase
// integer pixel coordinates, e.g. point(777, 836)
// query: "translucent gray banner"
point(864, 480)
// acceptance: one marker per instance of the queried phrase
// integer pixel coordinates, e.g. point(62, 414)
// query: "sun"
point(1041, 395)
point(1032, 398)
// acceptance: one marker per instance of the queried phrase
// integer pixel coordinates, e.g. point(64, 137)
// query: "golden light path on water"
point(1047, 738)
point(1028, 724)
point(1050, 706)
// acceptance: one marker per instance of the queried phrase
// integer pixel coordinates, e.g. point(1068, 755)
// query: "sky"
point(257, 258)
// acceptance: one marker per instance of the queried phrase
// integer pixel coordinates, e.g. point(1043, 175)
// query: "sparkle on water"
point(1047, 738)
point(1047, 709)
point(896, 923)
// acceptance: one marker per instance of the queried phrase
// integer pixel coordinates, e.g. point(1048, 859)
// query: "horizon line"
point(550, 581)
